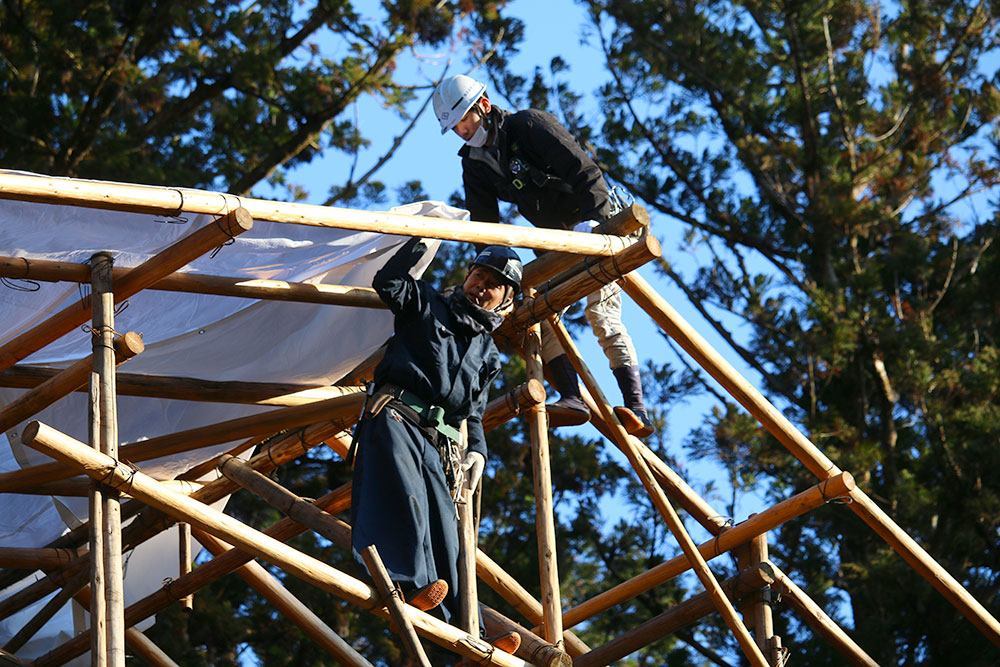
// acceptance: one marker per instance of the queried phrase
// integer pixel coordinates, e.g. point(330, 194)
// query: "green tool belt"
point(420, 412)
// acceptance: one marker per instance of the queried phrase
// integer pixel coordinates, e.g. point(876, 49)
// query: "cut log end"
point(128, 345)
point(30, 432)
point(237, 221)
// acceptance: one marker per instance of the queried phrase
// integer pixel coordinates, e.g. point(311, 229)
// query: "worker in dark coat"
point(529, 159)
point(437, 370)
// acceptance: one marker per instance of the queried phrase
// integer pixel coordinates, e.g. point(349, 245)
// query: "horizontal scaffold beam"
point(25, 268)
point(173, 201)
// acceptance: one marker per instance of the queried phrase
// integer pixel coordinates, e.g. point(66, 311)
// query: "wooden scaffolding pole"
point(546, 267)
point(165, 262)
point(554, 299)
point(341, 407)
point(468, 540)
point(694, 557)
point(769, 519)
point(284, 530)
point(274, 592)
point(152, 522)
point(392, 597)
point(23, 268)
point(680, 615)
point(59, 383)
point(188, 389)
point(533, 648)
point(511, 590)
point(803, 449)
point(541, 466)
point(172, 201)
point(72, 452)
point(504, 408)
point(107, 583)
point(818, 620)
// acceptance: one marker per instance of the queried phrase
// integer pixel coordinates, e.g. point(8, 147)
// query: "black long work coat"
point(400, 500)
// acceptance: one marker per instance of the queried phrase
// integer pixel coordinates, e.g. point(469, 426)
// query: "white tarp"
point(188, 335)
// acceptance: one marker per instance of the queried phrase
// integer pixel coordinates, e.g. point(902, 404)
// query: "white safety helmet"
point(454, 97)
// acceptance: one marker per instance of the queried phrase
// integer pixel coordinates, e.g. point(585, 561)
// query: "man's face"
point(472, 119)
point(484, 287)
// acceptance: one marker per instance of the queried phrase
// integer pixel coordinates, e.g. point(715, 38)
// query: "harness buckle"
point(517, 183)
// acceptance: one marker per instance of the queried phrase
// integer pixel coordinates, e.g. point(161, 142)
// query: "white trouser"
point(604, 312)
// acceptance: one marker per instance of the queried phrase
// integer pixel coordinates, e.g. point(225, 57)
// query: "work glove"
point(585, 226)
point(473, 466)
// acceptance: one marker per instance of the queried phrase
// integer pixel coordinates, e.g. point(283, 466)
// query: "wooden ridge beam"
point(310, 570)
point(196, 244)
point(172, 201)
point(24, 268)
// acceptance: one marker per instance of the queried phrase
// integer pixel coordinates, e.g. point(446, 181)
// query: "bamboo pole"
point(341, 407)
point(628, 221)
point(818, 620)
point(186, 388)
point(173, 201)
point(59, 383)
point(553, 300)
point(545, 529)
point(274, 592)
point(803, 449)
point(23, 268)
point(675, 618)
point(768, 519)
point(533, 648)
point(392, 596)
point(659, 499)
point(102, 302)
point(165, 262)
point(311, 570)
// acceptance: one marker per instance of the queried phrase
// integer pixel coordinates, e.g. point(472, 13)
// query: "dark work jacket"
point(575, 190)
point(437, 353)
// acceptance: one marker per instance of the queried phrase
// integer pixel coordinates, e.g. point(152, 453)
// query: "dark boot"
point(633, 416)
point(569, 410)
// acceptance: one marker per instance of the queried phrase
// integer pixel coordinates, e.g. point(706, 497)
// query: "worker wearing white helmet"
point(529, 159)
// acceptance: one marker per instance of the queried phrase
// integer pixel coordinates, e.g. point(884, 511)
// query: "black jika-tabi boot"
point(569, 410)
point(633, 416)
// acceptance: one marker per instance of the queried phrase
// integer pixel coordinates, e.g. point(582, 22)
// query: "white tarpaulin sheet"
point(187, 335)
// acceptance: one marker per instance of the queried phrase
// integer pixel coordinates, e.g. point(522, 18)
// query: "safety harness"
point(426, 417)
